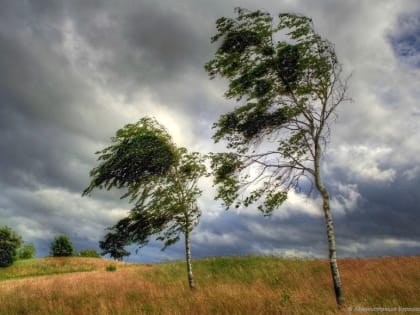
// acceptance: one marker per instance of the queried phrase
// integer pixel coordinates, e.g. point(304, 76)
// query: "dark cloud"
point(405, 38)
point(241, 234)
point(164, 37)
point(387, 210)
point(384, 222)
point(385, 219)
point(72, 73)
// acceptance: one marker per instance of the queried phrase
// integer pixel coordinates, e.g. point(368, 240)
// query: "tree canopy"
point(10, 241)
point(140, 152)
point(61, 246)
point(289, 86)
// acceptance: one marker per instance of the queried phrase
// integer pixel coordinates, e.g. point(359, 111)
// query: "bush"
point(61, 247)
point(27, 251)
point(111, 267)
point(6, 258)
point(89, 253)
point(9, 243)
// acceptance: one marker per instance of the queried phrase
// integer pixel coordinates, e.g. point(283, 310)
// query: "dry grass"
point(243, 285)
point(52, 265)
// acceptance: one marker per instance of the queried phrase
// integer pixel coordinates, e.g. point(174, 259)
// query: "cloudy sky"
point(73, 72)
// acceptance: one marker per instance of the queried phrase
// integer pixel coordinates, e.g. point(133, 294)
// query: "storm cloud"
point(72, 73)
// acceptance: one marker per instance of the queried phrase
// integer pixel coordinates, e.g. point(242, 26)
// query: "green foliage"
point(240, 269)
point(9, 243)
point(27, 251)
point(114, 242)
point(174, 202)
point(6, 257)
point(166, 210)
point(226, 168)
point(287, 91)
point(139, 153)
point(111, 268)
point(61, 247)
point(90, 252)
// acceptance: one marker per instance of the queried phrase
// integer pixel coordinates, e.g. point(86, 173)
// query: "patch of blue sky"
point(405, 39)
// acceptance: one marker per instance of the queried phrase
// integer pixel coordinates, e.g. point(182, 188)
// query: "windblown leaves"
point(283, 75)
point(159, 178)
point(140, 152)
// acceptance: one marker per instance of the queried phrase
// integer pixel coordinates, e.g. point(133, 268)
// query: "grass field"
point(236, 285)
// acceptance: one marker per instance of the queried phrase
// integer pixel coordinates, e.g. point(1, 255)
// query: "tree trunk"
point(339, 296)
point(188, 258)
point(331, 241)
point(332, 248)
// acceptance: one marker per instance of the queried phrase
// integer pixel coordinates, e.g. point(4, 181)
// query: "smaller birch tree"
point(162, 184)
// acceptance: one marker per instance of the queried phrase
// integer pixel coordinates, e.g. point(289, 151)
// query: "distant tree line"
point(12, 248)
point(62, 246)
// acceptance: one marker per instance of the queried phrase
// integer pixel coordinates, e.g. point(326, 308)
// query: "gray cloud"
point(405, 40)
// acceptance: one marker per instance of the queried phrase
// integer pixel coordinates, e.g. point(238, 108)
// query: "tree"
point(175, 203)
point(27, 251)
point(289, 91)
point(164, 200)
point(61, 247)
point(9, 243)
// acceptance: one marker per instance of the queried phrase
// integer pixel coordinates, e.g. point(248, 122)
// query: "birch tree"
point(288, 83)
point(160, 179)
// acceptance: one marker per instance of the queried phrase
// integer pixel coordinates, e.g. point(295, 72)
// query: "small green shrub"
point(6, 257)
point(27, 251)
point(111, 267)
point(92, 253)
point(285, 296)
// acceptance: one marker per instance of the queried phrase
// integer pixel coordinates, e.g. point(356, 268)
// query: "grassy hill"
point(236, 285)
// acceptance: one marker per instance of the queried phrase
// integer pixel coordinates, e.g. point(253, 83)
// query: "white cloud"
point(296, 203)
point(346, 199)
point(412, 173)
point(30, 229)
point(362, 162)
point(384, 245)
point(288, 253)
point(57, 211)
point(299, 203)
point(207, 238)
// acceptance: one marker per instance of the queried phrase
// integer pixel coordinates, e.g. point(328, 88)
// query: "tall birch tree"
point(288, 83)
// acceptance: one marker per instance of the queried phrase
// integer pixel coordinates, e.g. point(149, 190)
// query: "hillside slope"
point(235, 285)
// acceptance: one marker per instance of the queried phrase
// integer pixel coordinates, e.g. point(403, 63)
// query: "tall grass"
point(50, 266)
point(241, 285)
